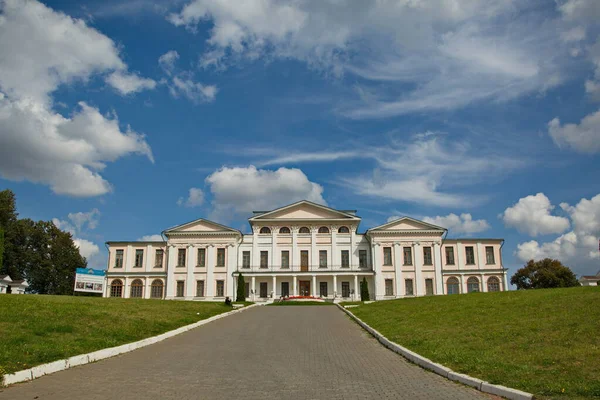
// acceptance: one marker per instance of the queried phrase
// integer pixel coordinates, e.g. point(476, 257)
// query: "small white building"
point(8, 285)
point(590, 280)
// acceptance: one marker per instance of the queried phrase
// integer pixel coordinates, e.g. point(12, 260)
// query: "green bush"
point(241, 289)
point(364, 290)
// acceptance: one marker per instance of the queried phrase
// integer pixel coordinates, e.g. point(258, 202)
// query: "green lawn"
point(40, 329)
point(546, 342)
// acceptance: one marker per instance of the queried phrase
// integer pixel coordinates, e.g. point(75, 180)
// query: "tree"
point(1, 246)
point(8, 217)
point(364, 290)
point(241, 289)
point(546, 273)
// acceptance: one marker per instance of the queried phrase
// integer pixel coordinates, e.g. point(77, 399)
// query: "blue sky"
point(119, 120)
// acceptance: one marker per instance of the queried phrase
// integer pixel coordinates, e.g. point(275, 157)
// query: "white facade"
point(8, 285)
point(304, 249)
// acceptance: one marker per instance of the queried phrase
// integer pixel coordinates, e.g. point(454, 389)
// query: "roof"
point(21, 282)
point(350, 214)
point(200, 220)
point(395, 221)
point(591, 277)
point(5, 278)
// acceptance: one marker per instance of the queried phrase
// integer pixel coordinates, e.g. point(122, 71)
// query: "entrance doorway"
point(263, 289)
point(304, 288)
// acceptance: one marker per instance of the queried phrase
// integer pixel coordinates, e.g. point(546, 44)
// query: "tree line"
point(37, 251)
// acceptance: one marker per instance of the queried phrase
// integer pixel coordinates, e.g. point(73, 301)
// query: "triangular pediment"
point(200, 225)
point(304, 210)
point(407, 224)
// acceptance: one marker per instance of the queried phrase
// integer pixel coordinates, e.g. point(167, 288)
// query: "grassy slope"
point(544, 341)
point(39, 329)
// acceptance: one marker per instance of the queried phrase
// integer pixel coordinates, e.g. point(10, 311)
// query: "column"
point(294, 257)
point(148, 263)
point(458, 256)
point(334, 286)
point(274, 255)
point(274, 286)
point(334, 255)
point(253, 288)
point(437, 264)
point(353, 256)
point(313, 249)
point(126, 288)
point(505, 282)
point(314, 285)
point(255, 256)
point(209, 285)
point(230, 262)
point(356, 291)
point(379, 283)
point(129, 259)
point(147, 287)
point(480, 261)
point(191, 262)
point(463, 289)
point(418, 269)
point(295, 285)
point(171, 261)
point(398, 269)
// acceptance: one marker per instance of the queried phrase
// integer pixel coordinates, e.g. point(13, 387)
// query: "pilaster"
point(274, 255)
point(294, 257)
point(334, 255)
point(209, 286)
point(313, 249)
point(230, 260)
point(418, 256)
point(398, 269)
point(171, 261)
point(147, 261)
point(379, 283)
point(437, 263)
point(255, 256)
point(192, 256)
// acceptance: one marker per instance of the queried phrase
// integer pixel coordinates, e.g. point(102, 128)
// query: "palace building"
point(304, 249)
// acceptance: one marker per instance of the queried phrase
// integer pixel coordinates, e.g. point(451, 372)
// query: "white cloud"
point(65, 153)
point(459, 224)
point(194, 91)
point(393, 218)
point(241, 190)
point(76, 225)
point(167, 61)
point(43, 49)
point(195, 198)
point(151, 238)
point(583, 137)
point(453, 53)
point(127, 83)
point(577, 248)
point(580, 10)
point(531, 215)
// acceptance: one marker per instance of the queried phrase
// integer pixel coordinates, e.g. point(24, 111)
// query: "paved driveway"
point(263, 353)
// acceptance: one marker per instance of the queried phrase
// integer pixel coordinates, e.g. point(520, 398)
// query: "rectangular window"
point(285, 289)
point(303, 260)
point(180, 288)
point(181, 258)
point(389, 287)
point(345, 258)
point(408, 287)
point(407, 255)
point(220, 288)
point(246, 259)
point(345, 289)
point(322, 258)
point(470, 253)
point(387, 256)
point(158, 258)
point(199, 288)
point(264, 259)
point(429, 287)
point(362, 259)
point(202, 258)
point(323, 289)
point(247, 294)
point(450, 255)
point(220, 257)
point(119, 259)
point(263, 289)
point(285, 259)
point(427, 259)
point(139, 258)
point(489, 255)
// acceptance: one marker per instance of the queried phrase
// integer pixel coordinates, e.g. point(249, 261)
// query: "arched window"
point(285, 229)
point(323, 229)
point(156, 291)
point(137, 288)
point(452, 286)
point(343, 229)
point(493, 284)
point(265, 231)
point(116, 288)
point(304, 230)
point(472, 285)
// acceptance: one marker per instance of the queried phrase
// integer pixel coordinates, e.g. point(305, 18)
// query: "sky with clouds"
point(121, 119)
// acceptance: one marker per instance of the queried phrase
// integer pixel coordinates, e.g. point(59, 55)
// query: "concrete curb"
point(60, 365)
point(439, 369)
